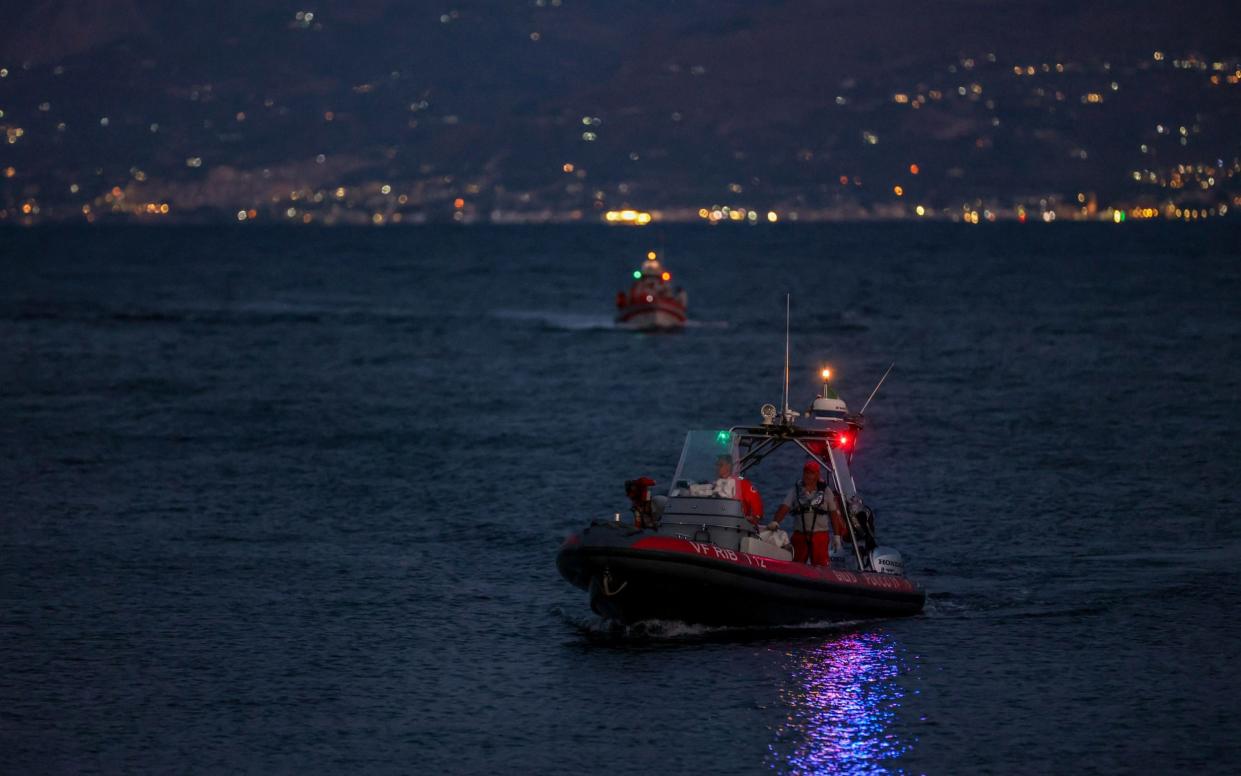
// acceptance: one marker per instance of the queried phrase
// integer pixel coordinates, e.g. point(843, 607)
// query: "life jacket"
point(812, 511)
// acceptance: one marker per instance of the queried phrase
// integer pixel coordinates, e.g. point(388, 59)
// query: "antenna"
point(784, 397)
point(872, 393)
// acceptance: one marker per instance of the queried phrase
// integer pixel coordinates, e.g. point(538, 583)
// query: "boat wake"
point(694, 323)
point(560, 321)
point(598, 630)
point(584, 322)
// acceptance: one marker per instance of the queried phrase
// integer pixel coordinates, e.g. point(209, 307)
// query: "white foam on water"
point(673, 630)
point(564, 321)
point(587, 321)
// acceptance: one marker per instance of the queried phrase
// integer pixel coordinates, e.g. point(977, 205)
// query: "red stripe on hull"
point(869, 579)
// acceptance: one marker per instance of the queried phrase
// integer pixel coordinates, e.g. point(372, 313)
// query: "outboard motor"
point(886, 560)
point(639, 493)
point(862, 521)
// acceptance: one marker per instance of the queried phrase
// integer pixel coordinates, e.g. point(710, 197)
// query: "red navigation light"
point(843, 441)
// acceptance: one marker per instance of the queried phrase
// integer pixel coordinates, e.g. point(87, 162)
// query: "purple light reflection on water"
point(841, 694)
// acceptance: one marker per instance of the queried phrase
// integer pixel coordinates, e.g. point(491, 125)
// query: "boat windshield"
point(699, 466)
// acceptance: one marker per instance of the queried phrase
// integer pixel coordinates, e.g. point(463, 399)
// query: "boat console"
point(717, 521)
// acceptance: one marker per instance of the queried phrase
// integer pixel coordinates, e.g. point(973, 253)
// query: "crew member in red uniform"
point(728, 485)
point(814, 507)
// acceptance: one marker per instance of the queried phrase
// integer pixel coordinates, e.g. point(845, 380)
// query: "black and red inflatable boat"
point(697, 556)
point(634, 575)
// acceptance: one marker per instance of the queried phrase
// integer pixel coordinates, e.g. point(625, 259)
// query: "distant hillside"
point(685, 104)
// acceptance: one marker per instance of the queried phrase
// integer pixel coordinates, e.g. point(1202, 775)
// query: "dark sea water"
point(289, 501)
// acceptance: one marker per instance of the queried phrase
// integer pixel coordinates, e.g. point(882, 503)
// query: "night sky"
point(560, 110)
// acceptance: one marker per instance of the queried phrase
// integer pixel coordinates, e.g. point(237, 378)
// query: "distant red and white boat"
point(652, 302)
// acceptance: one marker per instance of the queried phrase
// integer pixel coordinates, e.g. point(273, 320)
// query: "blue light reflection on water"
point(842, 695)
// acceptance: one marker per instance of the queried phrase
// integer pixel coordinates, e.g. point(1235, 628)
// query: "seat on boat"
point(754, 545)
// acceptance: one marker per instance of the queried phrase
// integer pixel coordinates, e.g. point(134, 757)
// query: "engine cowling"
point(886, 560)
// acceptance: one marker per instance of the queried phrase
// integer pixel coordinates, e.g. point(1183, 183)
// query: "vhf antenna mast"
point(784, 397)
point(872, 393)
